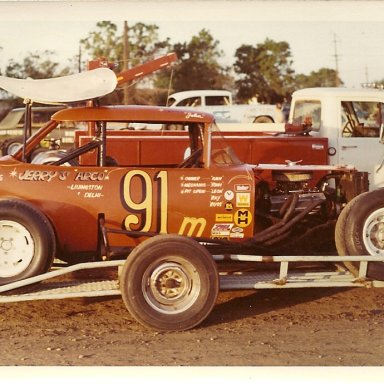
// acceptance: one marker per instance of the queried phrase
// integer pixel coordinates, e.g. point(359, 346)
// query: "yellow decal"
point(224, 217)
point(143, 208)
point(243, 218)
point(243, 199)
point(192, 223)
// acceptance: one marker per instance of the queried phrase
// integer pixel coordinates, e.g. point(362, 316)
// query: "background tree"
point(198, 64)
point(37, 65)
point(265, 71)
point(324, 77)
point(104, 42)
point(107, 41)
point(143, 45)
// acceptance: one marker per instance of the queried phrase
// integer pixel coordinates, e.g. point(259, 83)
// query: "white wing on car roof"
point(81, 86)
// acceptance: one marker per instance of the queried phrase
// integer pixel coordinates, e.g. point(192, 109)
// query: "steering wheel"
point(349, 130)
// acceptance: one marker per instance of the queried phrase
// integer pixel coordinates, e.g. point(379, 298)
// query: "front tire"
point(360, 229)
point(169, 283)
point(27, 241)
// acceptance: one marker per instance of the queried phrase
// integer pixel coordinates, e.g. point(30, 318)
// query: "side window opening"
point(216, 100)
point(361, 119)
point(190, 102)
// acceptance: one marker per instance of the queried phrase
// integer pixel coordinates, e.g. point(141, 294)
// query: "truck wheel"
point(360, 229)
point(263, 119)
point(27, 241)
point(169, 283)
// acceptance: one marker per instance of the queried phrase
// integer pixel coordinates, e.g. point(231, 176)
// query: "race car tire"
point(360, 230)
point(169, 283)
point(11, 145)
point(50, 156)
point(27, 241)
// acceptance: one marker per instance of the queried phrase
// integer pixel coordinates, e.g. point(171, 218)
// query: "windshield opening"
point(221, 152)
point(307, 112)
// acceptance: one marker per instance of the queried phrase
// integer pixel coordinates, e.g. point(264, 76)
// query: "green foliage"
point(198, 66)
point(104, 42)
point(265, 71)
point(324, 77)
point(107, 42)
point(36, 66)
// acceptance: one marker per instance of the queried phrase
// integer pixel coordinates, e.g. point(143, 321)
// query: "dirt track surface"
point(287, 327)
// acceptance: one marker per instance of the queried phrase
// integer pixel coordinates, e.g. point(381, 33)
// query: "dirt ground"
point(286, 327)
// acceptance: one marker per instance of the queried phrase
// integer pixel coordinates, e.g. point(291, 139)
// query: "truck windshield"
point(307, 112)
point(221, 152)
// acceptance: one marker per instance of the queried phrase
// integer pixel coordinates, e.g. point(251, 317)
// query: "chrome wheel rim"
point(171, 285)
point(17, 248)
point(373, 233)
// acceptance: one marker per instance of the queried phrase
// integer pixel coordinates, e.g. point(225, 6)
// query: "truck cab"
point(351, 120)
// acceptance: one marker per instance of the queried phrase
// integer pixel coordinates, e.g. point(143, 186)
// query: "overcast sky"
point(318, 32)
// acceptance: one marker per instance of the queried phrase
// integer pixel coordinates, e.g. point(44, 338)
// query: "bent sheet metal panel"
point(63, 89)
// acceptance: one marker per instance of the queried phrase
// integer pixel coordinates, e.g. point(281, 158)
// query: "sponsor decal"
point(192, 226)
point(229, 195)
point(228, 206)
point(90, 176)
point(236, 235)
point(243, 218)
point(243, 199)
point(242, 188)
point(224, 217)
point(223, 230)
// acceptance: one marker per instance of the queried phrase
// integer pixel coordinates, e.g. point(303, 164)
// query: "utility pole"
point(337, 82)
point(125, 60)
point(79, 61)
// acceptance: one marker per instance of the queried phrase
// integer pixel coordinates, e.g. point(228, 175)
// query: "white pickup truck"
point(351, 119)
point(220, 103)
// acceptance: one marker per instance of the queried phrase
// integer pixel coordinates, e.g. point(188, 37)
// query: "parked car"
point(12, 128)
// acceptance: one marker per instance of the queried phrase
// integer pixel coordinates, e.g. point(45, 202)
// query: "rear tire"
point(169, 283)
point(27, 241)
point(360, 230)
